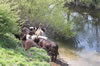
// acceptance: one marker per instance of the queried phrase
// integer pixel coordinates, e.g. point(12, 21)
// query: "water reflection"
point(86, 43)
point(87, 31)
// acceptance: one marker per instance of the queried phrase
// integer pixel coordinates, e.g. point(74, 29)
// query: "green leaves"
point(8, 18)
point(51, 12)
point(10, 51)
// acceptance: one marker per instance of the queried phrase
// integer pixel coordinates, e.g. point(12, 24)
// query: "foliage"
point(14, 54)
point(11, 52)
point(49, 12)
point(88, 3)
point(9, 41)
point(59, 19)
point(8, 17)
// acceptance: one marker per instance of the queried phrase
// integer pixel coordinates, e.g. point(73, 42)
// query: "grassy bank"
point(12, 54)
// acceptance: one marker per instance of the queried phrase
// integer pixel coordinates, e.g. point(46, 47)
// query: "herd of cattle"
point(36, 37)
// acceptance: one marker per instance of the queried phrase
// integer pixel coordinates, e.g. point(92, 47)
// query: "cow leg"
point(25, 48)
point(52, 58)
point(23, 45)
point(55, 57)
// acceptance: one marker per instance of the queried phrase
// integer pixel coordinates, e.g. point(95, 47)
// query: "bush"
point(9, 41)
point(8, 17)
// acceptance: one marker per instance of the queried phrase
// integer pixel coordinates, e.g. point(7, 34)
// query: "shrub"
point(9, 41)
point(8, 17)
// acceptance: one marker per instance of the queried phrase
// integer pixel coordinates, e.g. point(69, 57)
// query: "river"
point(84, 49)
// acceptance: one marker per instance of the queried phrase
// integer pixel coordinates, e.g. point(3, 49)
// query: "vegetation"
point(14, 54)
point(16, 13)
point(11, 52)
point(13, 57)
point(48, 12)
point(8, 17)
point(87, 3)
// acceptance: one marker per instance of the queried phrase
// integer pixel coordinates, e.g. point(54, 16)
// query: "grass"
point(12, 54)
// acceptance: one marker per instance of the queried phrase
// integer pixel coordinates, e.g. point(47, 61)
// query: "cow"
point(29, 43)
point(50, 46)
point(24, 35)
point(40, 31)
point(32, 30)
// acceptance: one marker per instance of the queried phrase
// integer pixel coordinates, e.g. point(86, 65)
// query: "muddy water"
point(84, 49)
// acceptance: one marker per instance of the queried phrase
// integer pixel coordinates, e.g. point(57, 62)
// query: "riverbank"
point(79, 58)
point(59, 62)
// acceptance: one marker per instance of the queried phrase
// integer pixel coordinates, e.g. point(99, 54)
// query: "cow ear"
point(35, 28)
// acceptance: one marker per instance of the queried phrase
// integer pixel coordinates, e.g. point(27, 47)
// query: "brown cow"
point(25, 31)
point(29, 43)
point(23, 36)
point(50, 46)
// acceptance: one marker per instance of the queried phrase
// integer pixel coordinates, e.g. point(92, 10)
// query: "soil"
point(59, 62)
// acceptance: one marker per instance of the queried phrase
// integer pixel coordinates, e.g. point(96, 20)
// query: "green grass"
point(12, 54)
point(11, 57)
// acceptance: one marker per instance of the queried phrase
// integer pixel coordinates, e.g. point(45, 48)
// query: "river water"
point(84, 48)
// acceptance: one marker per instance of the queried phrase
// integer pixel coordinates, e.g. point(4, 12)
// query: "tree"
point(49, 12)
